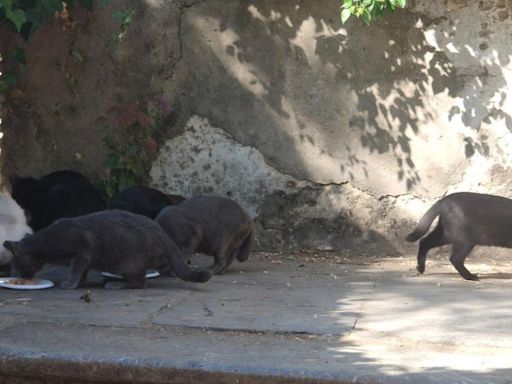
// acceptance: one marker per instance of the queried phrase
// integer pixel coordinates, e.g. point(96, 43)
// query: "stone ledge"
point(17, 369)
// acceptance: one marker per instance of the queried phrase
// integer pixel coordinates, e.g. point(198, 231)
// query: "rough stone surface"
point(292, 213)
point(277, 318)
point(377, 122)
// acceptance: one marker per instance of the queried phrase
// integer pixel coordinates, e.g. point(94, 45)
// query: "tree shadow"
point(456, 330)
point(284, 63)
point(323, 103)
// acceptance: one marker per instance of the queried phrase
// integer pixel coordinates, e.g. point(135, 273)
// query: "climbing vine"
point(24, 17)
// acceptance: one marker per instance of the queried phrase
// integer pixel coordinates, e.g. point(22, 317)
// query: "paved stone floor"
point(300, 317)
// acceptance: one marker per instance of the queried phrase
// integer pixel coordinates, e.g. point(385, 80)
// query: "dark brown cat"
point(465, 220)
point(115, 241)
point(143, 200)
point(213, 225)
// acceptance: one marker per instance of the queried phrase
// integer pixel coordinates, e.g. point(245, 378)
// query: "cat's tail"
point(183, 271)
point(245, 248)
point(424, 223)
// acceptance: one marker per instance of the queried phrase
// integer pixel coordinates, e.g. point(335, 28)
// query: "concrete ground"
point(283, 318)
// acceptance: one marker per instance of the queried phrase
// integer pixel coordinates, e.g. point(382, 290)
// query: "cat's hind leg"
point(224, 255)
point(433, 240)
point(459, 254)
point(187, 246)
point(78, 271)
point(137, 280)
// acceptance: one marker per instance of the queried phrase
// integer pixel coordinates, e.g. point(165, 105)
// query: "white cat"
point(13, 225)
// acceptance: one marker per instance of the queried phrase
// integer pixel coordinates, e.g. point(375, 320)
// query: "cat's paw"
point(217, 269)
point(420, 268)
point(471, 277)
point(114, 285)
point(66, 284)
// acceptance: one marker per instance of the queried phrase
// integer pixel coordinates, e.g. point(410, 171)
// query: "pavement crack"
point(163, 309)
point(209, 312)
point(180, 42)
point(185, 5)
point(360, 312)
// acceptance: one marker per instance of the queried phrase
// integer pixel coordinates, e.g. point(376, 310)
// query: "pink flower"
point(151, 145)
point(162, 105)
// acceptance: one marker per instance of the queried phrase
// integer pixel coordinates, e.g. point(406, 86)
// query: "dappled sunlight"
point(434, 323)
point(224, 47)
point(390, 103)
point(155, 3)
point(380, 116)
point(307, 37)
point(393, 358)
point(412, 106)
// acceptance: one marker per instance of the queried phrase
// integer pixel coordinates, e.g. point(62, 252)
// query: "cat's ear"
point(175, 199)
point(11, 246)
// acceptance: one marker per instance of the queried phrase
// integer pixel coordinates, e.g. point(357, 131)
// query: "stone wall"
point(331, 136)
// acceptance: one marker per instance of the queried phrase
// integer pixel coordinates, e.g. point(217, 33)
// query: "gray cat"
point(212, 225)
point(116, 241)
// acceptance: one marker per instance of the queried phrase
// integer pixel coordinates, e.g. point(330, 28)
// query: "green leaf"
point(378, 10)
point(7, 4)
point(19, 56)
point(49, 7)
point(87, 4)
point(139, 170)
point(401, 3)
point(42, 12)
point(366, 16)
point(345, 15)
point(125, 181)
point(3, 87)
point(131, 150)
point(120, 15)
point(128, 18)
point(9, 78)
point(112, 161)
point(26, 30)
point(17, 17)
point(76, 55)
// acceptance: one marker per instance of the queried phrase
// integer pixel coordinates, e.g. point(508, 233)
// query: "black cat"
point(143, 200)
point(465, 220)
point(115, 241)
point(216, 226)
point(57, 195)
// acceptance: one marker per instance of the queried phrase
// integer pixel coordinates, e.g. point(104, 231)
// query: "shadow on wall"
point(330, 104)
point(394, 108)
point(322, 102)
point(308, 219)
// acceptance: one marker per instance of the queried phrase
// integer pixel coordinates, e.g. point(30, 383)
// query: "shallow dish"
point(24, 284)
point(150, 273)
